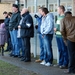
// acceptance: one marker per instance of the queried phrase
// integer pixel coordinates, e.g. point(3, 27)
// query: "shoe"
point(22, 59)
point(39, 60)
point(63, 67)
point(67, 72)
point(27, 60)
point(43, 62)
point(15, 56)
point(6, 50)
point(57, 65)
point(48, 64)
point(11, 54)
point(20, 56)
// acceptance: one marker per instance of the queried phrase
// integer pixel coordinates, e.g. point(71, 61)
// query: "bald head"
point(24, 10)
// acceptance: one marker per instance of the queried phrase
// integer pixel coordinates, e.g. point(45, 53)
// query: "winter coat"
point(27, 28)
point(47, 25)
point(39, 20)
point(14, 21)
point(68, 28)
point(3, 36)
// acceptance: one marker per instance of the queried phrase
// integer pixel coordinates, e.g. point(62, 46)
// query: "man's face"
point(22, 12)
point(59, 10)
point(14, 9)
point(40, 11)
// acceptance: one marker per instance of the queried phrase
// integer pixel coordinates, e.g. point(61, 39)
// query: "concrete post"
point(18, 3)
point(25, 3)
point(46, 3)
point(58, 3)
point(35, 33)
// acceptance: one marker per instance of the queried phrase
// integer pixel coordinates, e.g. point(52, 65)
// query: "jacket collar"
point(68, 15)
point(25, 14)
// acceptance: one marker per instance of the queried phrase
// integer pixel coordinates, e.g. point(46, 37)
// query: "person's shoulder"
point(50, 15)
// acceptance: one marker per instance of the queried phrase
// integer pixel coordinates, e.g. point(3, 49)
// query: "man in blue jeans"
point(13, 27)
point(39, 19)
point(47, 27)
point(62, 48)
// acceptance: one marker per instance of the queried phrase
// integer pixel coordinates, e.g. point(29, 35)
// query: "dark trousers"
point(26, 48)
point(9, 45)
point(71, 51)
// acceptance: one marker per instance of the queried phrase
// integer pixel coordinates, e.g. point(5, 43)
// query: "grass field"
point(8, 69)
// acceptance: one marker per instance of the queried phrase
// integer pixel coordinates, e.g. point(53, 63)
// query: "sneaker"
point(67, 72)
point(43, 62)
point(63, 67)
point(39, 60)
point(57, 65)
point(48, 64)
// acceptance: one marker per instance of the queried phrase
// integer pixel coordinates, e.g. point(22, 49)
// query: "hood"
point(51, 15)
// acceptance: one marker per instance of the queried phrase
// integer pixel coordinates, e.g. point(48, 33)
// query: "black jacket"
point(27, 31)
point(14, 21)
point(6, 21)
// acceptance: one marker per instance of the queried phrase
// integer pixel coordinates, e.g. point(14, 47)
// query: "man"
point(6, 22)
point(62, 48)
point(27, 31)
point(47, 27)
point(68, 33)
point(39, 20)
point(13, 27)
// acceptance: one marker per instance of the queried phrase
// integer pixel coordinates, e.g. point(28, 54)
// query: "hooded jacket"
point(47, 25)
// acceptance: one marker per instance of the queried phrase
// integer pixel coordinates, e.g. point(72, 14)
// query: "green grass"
point(8, 69)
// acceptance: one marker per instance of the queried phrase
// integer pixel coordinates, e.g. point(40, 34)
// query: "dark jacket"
point(14, 21)
point(68, 28)
point(6, 22)
point(27, 28)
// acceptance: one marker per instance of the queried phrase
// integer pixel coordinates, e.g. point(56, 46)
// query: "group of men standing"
point(23, 22)
point(63, 29)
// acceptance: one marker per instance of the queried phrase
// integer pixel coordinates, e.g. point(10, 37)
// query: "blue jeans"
point(41, 47)
point(14, 41)
point(48, 53)
point(71, 51)
point(20, 46)
point(63, 52)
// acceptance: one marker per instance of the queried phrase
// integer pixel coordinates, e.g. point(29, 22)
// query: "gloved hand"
point(36, 26)
point(36, 16)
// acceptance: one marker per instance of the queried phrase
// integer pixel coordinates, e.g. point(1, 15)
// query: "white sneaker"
point(43, 62)
point(48, 64)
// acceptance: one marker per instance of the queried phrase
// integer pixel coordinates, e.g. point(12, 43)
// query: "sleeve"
point(27, 22)
point(7, 22)
point(62, 29)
